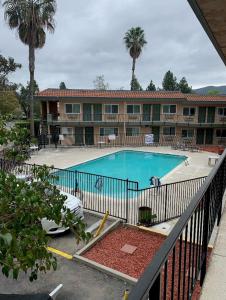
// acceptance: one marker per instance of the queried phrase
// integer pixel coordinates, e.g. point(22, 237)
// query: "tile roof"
point(125, 94)
point(195, 97)
point(110, 94)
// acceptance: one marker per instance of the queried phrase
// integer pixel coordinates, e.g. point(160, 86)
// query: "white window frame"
point(133, 113)
point(72, 113)
point(66, 132)
point(189, 108)
point(169, 134)
point(187, 137)
point(132, 132)
point(169, 113)
point(107, 134)
point(224, 111)
point(110, 113)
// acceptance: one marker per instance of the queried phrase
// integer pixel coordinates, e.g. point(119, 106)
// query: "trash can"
point(145, 216)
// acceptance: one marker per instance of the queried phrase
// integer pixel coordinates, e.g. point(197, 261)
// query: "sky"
point(88, 41)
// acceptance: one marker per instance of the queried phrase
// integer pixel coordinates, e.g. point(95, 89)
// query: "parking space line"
point(61, 253)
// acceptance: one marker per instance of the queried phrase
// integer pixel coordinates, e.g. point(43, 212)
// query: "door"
point(89, 136)
point(209, 136)
point(156, 131)
point(200, 136)
point(210, 114)
point(202, 115)
point(146, 112)
point(87, 112)
point(97, 112)
point(156, 112)
point(79, 136)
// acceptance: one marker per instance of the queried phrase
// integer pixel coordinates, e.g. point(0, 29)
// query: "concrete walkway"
point(215, 282)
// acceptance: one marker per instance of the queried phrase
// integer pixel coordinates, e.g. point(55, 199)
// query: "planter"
point(145, 216)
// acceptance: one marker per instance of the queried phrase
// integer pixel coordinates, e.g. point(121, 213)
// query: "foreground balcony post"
point(154, 293)
point(205, 235)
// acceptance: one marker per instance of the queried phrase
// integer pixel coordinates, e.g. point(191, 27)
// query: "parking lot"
point(79, 281)
point(66, 242)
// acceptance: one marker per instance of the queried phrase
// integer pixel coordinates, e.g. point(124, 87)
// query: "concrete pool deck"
point(66, 157)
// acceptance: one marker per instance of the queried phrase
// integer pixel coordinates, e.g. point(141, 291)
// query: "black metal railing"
point(137, 118)
point(98, 193)
point(118, 140)
point(168, 201)
point(122, 198)
point(179, 267)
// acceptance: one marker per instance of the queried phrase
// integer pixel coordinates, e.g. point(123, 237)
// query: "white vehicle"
point(75, 206)
point(72, 202)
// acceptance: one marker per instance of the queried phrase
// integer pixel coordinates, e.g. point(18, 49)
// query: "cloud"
point(88, 41)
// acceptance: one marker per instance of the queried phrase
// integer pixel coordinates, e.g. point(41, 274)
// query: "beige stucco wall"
point(123, 116)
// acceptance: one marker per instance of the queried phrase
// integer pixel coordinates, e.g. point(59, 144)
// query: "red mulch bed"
point(214, 149)
point(107, 252)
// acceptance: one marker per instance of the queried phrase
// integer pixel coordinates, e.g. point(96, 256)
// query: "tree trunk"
point(133, 67)
point(31, 91)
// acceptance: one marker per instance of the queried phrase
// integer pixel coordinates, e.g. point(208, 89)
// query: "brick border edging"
point(98, 238)
point(78, 256)
point(104, 269)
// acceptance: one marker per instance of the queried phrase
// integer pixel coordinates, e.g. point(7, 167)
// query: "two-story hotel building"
point(88, 117)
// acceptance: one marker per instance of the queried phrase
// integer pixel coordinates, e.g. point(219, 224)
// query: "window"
point(221, 133)
point(222, 111)
point(108, 131)
point(133, 109)
point(111, 108)
point(132, 131)
point(72, 108)
point(188, 111)
point(187, 133)
point(169, 130)
point(169, 109)
point(67, 130)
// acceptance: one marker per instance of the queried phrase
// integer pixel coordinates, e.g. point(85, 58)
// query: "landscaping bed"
point(108, 251)
point(141, 245)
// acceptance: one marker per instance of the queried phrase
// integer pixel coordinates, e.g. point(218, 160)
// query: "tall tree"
point(100, 84)
point(135, 85)
point(23, 242)
point(169, 82)
point(7, 66)
point(31, 18)
point(134, 40)
point(184, 87)
point(151, 86)
point(62, 86)
point(23, 95)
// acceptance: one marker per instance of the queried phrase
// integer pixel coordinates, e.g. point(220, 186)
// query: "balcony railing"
point(132, 118)
point(179, 267)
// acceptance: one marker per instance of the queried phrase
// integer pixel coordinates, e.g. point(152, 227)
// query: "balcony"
point(132, 119)
point(180, 266)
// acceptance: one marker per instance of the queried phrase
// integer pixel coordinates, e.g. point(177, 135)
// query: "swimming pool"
point(136, 166)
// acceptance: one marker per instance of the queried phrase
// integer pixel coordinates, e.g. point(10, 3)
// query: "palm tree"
point(31, 18)
point(134, 41)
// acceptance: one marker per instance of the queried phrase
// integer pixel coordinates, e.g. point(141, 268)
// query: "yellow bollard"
point(126, 295)
point(102, 224)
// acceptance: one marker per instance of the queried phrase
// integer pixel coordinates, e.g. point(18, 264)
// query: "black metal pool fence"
point(122, 198)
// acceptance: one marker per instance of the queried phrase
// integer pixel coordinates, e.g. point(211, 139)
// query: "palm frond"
point(31, 18)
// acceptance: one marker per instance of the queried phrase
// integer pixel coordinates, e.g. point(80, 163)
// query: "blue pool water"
point(133, 165)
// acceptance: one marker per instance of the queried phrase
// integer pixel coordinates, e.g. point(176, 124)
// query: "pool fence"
point(121, 197)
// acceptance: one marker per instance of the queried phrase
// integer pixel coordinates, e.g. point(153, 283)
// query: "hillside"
point(206, 89)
